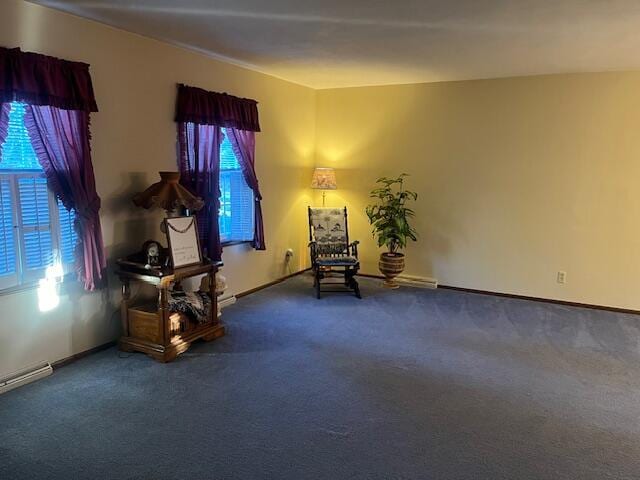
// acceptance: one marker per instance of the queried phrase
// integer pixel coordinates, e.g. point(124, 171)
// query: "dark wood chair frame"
point(348, 271)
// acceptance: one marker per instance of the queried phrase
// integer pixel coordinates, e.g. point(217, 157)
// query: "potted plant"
point(389, 217)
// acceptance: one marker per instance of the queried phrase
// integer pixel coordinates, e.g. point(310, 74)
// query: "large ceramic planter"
point(391, 265)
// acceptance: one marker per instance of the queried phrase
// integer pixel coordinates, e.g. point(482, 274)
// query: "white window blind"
point(36, 230)
point(8, 271)
point(236, 216)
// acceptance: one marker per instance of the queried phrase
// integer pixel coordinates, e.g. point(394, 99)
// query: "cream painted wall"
point(134, 136)
point(518, 178)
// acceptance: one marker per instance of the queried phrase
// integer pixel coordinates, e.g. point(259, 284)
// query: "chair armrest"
point(313, 250)
point(353, 248)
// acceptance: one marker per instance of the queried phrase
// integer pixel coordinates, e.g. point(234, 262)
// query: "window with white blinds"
point(236, 200)
point(36, 230)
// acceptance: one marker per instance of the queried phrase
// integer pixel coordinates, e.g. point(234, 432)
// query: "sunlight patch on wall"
point(48, 298)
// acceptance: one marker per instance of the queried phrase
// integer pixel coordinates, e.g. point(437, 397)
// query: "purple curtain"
point(199, 165)
point(195, 105)
point(60, 139)
point(41, 80)
point(244, 146)
point(5, 109)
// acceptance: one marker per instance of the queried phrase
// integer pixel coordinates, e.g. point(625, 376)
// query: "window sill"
point(30, 286)
point(237, 242)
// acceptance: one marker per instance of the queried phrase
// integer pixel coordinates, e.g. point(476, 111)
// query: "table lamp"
point(324, 178)
point(169, 195)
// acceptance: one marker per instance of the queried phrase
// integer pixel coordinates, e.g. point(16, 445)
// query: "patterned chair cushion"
point(337, 261)
point(329, 226)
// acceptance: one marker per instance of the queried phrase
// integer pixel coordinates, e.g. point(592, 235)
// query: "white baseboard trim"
point(415, 281)
point(24, 377)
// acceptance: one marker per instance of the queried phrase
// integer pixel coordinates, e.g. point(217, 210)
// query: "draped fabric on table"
point(200, 173)
point(201, 115)
point(60, 98)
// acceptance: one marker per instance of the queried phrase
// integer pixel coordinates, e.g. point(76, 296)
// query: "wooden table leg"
point(124, 307)
point(163, 313)
point(213, 310)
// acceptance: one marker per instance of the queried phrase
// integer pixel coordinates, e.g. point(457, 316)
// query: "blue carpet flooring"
point(406, 384)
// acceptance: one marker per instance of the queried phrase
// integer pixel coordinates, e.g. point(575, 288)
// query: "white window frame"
point(23, 277)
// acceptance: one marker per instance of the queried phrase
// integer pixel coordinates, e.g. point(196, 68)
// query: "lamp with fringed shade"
point(169, 195)
point(324, 178)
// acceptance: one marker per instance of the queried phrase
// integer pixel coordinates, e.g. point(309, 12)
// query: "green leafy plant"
point(389, 215)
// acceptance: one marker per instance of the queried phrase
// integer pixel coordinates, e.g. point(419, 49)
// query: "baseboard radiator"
point(225, 300)
point(415, 281)
point(25, 376)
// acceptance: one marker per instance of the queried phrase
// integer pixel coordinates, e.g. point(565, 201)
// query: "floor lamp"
point(324, 178)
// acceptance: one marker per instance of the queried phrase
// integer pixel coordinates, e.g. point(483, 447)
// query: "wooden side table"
point(152, 328)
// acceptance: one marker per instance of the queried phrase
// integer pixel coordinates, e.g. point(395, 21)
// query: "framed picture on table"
point(184, 245)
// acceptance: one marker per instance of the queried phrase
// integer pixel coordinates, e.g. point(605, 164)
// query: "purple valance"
point(41, 80)
point(199, 106)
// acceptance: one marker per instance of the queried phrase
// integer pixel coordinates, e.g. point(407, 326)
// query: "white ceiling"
point(339, 43)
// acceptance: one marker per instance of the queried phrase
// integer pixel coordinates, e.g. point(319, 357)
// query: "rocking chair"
point(331, 251)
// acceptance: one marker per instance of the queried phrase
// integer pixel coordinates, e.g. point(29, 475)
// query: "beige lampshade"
point(168, 194)
point(324, 178)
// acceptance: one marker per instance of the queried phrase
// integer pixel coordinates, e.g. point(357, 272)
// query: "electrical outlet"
point(562, 277)
point(289, 253)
